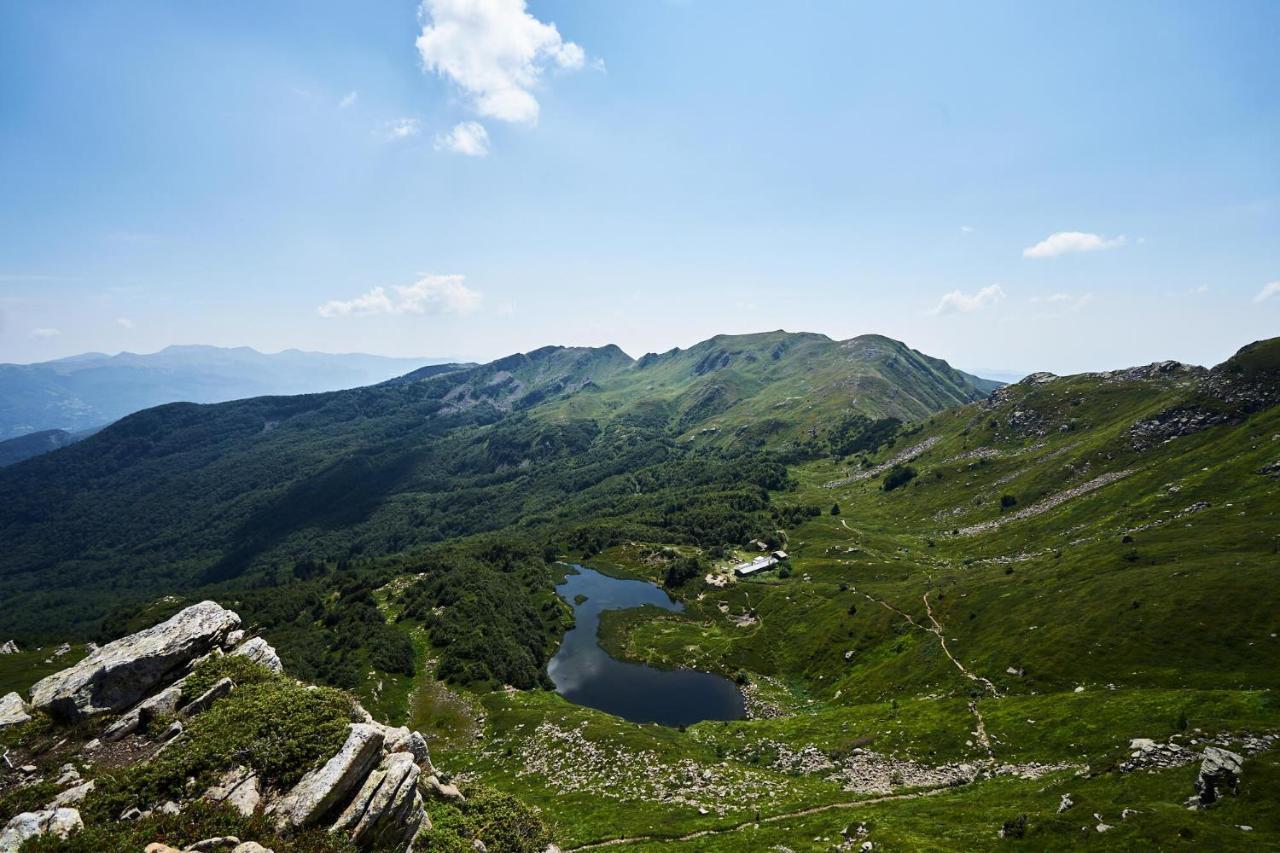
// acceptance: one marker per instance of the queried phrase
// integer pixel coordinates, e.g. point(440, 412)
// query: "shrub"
point(196, 821)
point(835, 509)
point(276, 727)
point(899, 475)
point(1008, 501)
point(238, 668)
point(498, 820)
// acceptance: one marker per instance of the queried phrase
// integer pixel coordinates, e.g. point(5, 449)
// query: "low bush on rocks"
point(26, 798)
point(241, 670)
point(196, 821)
point(498, 820)
point(278, 728)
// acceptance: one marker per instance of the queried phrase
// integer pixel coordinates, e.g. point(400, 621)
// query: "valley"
point(1020, 615)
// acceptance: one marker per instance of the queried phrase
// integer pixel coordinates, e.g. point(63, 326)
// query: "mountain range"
point(199, 493)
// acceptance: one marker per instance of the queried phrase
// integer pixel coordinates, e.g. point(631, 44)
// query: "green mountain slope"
point(184, 495)
point(1077, 562)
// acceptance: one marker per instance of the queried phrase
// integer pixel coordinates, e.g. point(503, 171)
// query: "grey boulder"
point(161, 704)
point(119, 674)
point(12, 710)
point(387, 812)
point(237, 788)
point(1219, 774)
point(321, 790)
point(58, 822)
point(260, 651)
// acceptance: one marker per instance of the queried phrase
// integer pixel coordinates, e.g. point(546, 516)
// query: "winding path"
point(704, 833)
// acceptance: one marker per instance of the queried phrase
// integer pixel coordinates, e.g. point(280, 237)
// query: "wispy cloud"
point(1269, 290)
point(1068, 301)
point(402, 128)
point(432, 294)
point(348, 100)
point(469, 138)
point(495, 51)
point(1066, 242)
point(958, 302)
point(45, 333)
point(967, 229)
point(124, 322)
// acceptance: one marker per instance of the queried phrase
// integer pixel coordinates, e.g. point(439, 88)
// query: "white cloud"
point(402, 128)
point(1268, 290)
point(1067, 301)
point(957, 302)
point(124, 322)
point(495, 51)
point(1204, 288)
point(45, 333)
point(432, 294)
point(469, 138)
point(348, 99)
point(1065, 242)
point(967, 229)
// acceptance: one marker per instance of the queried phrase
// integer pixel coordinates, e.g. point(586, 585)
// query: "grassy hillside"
point(1049, 585)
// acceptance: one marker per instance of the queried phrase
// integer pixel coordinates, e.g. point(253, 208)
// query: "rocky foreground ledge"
point(156, 712)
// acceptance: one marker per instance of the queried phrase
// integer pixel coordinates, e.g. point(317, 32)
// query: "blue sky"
point(462, 179)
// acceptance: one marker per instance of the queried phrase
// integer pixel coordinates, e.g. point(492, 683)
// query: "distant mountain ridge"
point(93, 389)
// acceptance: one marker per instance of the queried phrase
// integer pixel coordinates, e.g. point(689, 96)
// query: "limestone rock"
point(13, 710)
point(325, 788)
point(233, 639)
point(122, 672)
point(58, 822)
point(434, 786)
point(202, 702)
point(260, 651)
point(9, 648)
point(71, 796)
point(387, 812)
point(1219, 774)
point(237, 788)
point(162, 703)
point(157, 847)
point(252, 847)
point(221, 842)
point(404, 739)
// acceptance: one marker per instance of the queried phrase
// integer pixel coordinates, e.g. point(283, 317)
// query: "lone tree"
point(835, 509)
point(1007, 501)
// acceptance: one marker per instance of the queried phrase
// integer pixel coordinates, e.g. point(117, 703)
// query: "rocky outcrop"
point(322, 790)
point(202, 702)
point(260, 651)
point(121, 673)
point(1219, 774)
point(161, 704)
point(1146, 754)
point(371, 789)
point(387, 812)
point(9, 648)
point(1174, 423)
point(404, 739)
point(58, 822)
point(13, 710)
point(237, 788)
